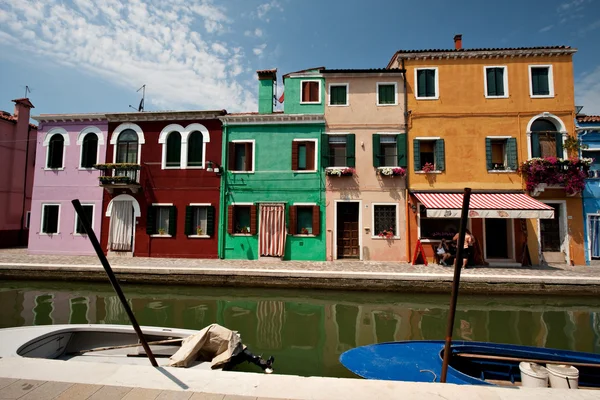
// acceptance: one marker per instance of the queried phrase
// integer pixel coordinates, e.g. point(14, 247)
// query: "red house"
point(162, 181)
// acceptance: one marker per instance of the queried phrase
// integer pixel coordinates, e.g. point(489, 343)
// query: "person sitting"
point(443, 252)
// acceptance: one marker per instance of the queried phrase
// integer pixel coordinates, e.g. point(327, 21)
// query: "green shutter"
point(535, 88)
point(151, 220)
point(325, 151)
point(350, 150)
point(488, 153)
point(421, 83)
point(376, 150)
point(511, 149)
point(440, 155)
point(499, 81)
point(559, 144)
point(535, 145)
point(210, 220)
point(417, 154)
point(491, 83)
point(430, 91)
point(172, 220)
point(189, 220)
point(401, 150)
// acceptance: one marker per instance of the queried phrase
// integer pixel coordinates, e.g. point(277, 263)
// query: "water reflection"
point(307, 330)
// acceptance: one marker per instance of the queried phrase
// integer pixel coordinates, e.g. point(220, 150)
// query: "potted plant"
point(199, 230)
point(304, 231)
point(243, 229)
point(340, 171)
point(391, 171)
point(428, 167)
point(541, 172)
point(161, 231)
point(387, 233)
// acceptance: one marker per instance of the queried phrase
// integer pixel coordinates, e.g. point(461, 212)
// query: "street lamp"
point(213, 166)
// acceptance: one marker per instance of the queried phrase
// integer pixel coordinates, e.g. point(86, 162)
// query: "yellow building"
point(474, 116)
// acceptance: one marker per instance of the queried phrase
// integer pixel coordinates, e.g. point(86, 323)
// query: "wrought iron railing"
point(119, 173)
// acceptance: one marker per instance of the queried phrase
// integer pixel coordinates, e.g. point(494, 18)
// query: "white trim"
point(54, 131)
point(125, 197)
point(347, 85)
point(316, 160)
point(504, 78)
point(360, 227)
point(550, 82)
point(395, 93)
point(77, 218)
point(90, 129)
point(304, 204)
point(390, 133)
point(164, 133)
point(310, 80)
point(559, 129)
point(511, 251)
point(57, 219)
point(589, 228)
point(162, 204)
point(427, 138)
point(397, 230)
point(155, 235)
point(437, 84)
point(253, 141)
point(241, 204)
point(163, 160)
point(499, 137)
point(200, 204)
point(115, 136)
point(563, 230)
point(198, 236)
point(185, 133)
point(337, 133)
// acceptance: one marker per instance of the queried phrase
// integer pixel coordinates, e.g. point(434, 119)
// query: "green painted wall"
point(274, 181)
point(265, 96)
point(292, 97)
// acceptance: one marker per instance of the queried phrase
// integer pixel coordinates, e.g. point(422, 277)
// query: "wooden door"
point(347, 230)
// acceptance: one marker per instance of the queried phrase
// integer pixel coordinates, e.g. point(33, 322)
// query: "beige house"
point(364, 154)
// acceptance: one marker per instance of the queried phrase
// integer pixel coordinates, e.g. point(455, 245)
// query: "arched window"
point(127, 147)
point(55, 151)
point(174, 149)
point(195, 146)
point(546, 141)
point(89, 150)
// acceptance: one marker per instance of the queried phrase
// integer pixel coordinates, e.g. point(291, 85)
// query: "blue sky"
point(92, 55)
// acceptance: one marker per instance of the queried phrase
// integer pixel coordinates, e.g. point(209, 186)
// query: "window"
point(389, 150)
point(50, 214)
point(541, 84)
point(89, 150)
point(429, 152)
point(501, 154)
point(127, 147)
point(338, 150)
point(88, 210)
point(427, 83)
point(28, 220)
point(55, 151)
point(241, 156)
point(386, 94)
point(173, 150)
point(546, 141)
point(241, 219)
point(305, 219)
point(495, 82)
point(311, 92)
point(199, 220)
point(595, 155)
point(303, 155)
point(338, 94)
point(437, 228)
point(384, 219)
point(162, 220)
point(195, 149)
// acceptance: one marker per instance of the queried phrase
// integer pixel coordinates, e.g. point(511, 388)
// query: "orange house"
point(474, 116)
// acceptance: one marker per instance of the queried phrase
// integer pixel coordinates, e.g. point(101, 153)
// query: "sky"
point(82, 56)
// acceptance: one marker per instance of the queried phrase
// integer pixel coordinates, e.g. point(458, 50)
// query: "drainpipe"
point(222, 205)
point(407, 195)
point(25, 183)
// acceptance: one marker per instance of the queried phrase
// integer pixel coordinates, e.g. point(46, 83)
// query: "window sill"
point(542, 96)
point(48, 234)
point(194, 167)
point(339, 105)
point(310, 102)
point(199, 236)
point(384, 238)
point(54, 169)
point(501, 171)
point(387, 105)
point(242, 172)
point(310, 171)
point(427, 98)
point(496, 97)
point(160, 236)
point(424, 173)
point(165, 167)
point(87, 169)
point(80, 234)
point(241, 234)
point(304, 235)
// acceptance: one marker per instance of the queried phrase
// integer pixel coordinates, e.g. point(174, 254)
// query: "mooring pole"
point(113, 279)
point(456, 281)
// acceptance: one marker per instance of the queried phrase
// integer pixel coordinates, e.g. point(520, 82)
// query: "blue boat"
point(471, 363)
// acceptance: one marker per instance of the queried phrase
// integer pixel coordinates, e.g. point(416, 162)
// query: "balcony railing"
point(541, 173)
point(119, 175)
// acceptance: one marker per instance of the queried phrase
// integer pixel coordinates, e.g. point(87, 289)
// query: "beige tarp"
point(214, 343)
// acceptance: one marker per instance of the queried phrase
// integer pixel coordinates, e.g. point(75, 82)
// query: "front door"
point(551, 237)
point(497, 235)
point(121, 229)
point(347, 230)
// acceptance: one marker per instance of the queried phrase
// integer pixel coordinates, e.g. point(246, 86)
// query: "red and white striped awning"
point(485, 205)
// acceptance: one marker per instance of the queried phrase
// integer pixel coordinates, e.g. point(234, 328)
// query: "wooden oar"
point(538, 361)
point(125, 346)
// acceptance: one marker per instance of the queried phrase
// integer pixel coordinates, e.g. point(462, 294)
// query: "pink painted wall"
point(17, 156)
point(364, 118)
point(63, 185)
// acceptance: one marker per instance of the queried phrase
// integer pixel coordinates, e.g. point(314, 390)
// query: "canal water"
point(307, 330)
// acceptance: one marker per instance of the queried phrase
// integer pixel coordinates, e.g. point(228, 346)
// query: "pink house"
point(68, 146)
point(17, 155)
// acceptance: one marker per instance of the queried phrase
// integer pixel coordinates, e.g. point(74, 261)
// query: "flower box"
point(551, 171)
point(391, 171)
point(106, 180)
point(340, 171)
point(117, 166)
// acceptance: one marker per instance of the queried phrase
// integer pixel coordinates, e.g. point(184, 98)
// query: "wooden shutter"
point(559, 144)
point(172, 220)
point(417, 154)
point(249, 157)
point(430, 83)
point(230, 215)
point(293, 220)
point(295, 156)
point(491, 82)
point(210, 220)
point(189, 220)
point(325, 151)
point(440, 155)
point(401, 150)
point(376, 150)
point(314, 91)
point(488, 153)
point(350, 150)
point(310, 156)
point(511, 150)
point(421, 83)
point(151, 220)
point(231, 155)
point(316, 220)
point(535, 145)
point(253, 219)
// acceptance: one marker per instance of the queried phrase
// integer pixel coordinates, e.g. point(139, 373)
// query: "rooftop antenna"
point(141, 106)
point(27, 90)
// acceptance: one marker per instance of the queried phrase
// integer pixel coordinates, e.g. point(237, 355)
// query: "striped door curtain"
point(272, 230)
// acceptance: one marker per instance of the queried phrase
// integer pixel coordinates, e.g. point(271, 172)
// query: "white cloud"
point(265, 8)
point(258, 50)
point(153, 42)
point(587, 92)
point(546, 28)
point(257, 32)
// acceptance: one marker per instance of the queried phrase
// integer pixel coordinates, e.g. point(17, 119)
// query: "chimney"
point(458, 42)
point(266, 83)
point(22, 107)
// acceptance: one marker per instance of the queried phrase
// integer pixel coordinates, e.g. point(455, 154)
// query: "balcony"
point(552, 172)
point(119, 176)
